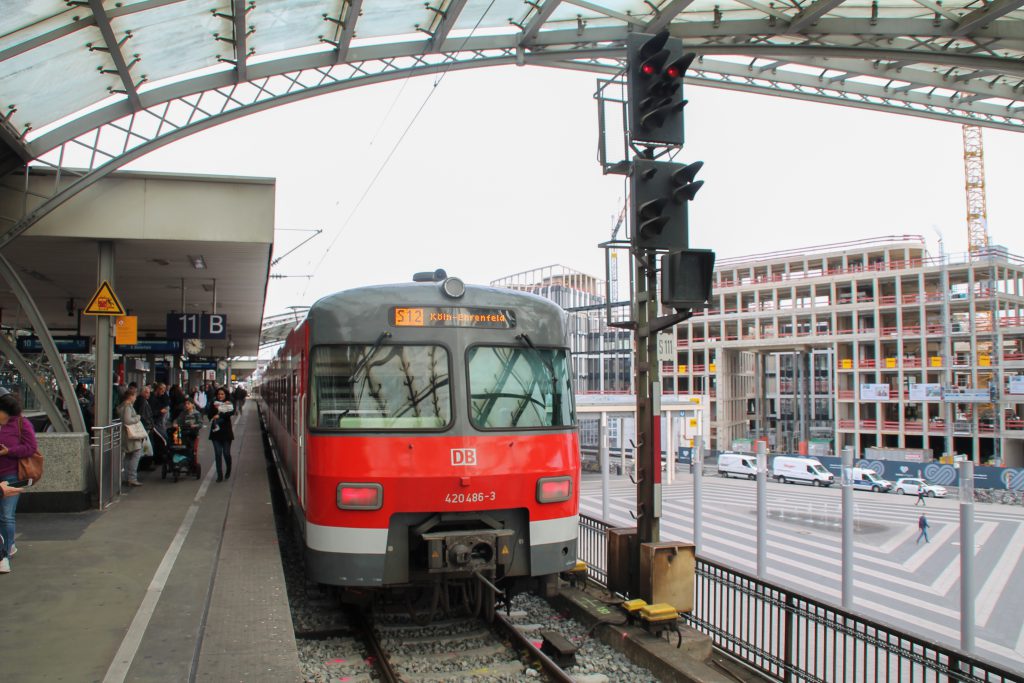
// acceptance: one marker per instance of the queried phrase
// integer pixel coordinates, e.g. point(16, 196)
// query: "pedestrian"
point(131, 446)
point(922, 524)
point(86, 401)
point(221, 433)
point(920, 496)
point(177, 402)
point(17, 441)
point(238, 398)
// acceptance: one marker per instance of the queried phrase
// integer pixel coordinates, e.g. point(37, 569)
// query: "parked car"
point(912, 486)
point(807, 470)
point(737, 465)
point(867, 480)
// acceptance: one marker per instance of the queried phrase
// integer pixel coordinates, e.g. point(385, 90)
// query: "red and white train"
point(425, 431)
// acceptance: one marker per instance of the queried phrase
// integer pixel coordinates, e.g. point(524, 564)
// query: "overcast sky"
point(498, 174)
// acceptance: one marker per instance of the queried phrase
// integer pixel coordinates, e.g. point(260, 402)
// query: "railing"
point(106, 463)
point(789, 637)
point(592, 547)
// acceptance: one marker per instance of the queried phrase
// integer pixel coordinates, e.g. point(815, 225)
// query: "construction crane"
point(974, 184)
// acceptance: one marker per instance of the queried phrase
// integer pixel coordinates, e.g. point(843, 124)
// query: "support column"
point(602, 454)
point(697, 458)
point(967, 556)
point(60, 372)
point(648, 406)
point(104, 341)
point(762, 511)
point(847, 536)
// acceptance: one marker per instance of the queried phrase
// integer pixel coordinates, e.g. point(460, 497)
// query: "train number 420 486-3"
point(472, 497)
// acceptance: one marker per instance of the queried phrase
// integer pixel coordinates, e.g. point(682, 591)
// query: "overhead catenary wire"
point(394, 147)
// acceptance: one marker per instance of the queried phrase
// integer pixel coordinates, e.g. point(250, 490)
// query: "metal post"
point(947, 351)
point(647, 403)
point(602, 454)
point(967, 556)
point(104, 341)
point(698, 494)
point(762, 510)
point(622, 446)
point(847, 488)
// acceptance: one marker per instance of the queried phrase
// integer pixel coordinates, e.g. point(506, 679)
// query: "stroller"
point(182, 453)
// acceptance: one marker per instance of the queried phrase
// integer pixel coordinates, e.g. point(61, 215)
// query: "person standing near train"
point(17, 441)
point(221, 433)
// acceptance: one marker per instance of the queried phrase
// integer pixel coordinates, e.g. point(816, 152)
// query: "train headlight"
point(554, 489)
point(360, 496)
point(453, 288)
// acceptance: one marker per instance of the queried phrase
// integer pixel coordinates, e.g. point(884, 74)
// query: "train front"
point(442, 440)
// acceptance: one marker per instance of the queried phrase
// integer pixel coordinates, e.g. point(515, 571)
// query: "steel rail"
point(380, 658)
point(554, 672)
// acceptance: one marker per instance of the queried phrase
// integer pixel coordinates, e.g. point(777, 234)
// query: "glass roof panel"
point(18, 15)
point(173, 39)
point(498, 15)
point(55, 78)
point(392, 17)
point(287, 24)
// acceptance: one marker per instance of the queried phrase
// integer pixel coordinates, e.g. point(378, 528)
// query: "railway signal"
point(656, 66)
point(661, 192)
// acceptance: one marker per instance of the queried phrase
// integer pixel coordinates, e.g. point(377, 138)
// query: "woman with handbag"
point(17, 441)
point(133, 434)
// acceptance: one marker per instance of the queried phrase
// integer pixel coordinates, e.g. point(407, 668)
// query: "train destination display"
point(453, 316)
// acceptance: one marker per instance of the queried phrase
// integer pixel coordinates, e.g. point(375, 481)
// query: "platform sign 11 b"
point(197, 326)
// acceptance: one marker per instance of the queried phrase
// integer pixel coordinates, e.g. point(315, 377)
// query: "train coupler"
point(468, 551)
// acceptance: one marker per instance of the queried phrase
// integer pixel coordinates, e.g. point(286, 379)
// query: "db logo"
point(463, 456)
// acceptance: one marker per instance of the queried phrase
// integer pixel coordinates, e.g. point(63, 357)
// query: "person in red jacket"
point(17, 441)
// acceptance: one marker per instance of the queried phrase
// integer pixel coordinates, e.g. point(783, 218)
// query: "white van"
point(807, 470)
point(737, 465)
point(867, 480)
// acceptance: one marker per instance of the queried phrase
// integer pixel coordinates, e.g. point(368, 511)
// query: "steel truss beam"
point(32, 381)
point(113, 48)
point(60, 372)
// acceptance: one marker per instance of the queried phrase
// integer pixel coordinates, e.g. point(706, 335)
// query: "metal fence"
point(106, 463)
point(792, 638)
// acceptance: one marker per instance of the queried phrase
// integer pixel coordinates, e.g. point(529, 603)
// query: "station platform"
point(173, 582)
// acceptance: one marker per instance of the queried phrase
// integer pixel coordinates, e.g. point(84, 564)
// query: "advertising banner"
point(925, 392)
point(966, 395)
point(1017, 384)
point(874, 392)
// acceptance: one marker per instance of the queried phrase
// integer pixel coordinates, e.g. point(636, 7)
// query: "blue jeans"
point(222, 451)
point(7, 507)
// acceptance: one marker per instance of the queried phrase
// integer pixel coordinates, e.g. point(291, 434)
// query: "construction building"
point(868, 344)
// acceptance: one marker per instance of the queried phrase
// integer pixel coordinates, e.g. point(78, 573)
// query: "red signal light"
point(673, 72)
point(647, 69)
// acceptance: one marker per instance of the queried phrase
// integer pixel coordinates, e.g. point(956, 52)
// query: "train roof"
point(361, 314)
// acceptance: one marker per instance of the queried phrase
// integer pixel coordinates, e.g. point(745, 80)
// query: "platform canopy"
point(68, 68)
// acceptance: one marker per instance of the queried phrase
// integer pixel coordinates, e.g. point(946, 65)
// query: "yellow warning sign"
point(504, 550)
point(104, 302)
point(435, 554)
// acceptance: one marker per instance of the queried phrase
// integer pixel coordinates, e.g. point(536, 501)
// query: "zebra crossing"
point(912, 585)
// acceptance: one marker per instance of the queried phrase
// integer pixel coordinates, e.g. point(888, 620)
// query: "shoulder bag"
point(136, 431)
point(30, 468)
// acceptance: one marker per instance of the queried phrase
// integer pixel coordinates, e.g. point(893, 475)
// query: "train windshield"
point(519, 388)
point(370, 386)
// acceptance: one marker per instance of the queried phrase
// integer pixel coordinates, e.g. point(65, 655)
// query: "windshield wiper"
point(369, 356)
point(556, 396)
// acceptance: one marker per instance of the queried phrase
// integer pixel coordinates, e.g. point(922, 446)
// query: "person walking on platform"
point(922, 524)
point(221, 433)
point(238, 398)
point(131, 446)
point(17, 441)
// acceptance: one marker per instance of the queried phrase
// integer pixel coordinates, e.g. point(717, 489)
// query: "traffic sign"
point(126, 329)
point(104, 302)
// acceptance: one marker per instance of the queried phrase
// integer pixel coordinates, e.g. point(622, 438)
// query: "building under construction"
point(868, 344)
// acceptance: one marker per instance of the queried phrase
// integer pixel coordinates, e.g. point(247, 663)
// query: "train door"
point(298, 411)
